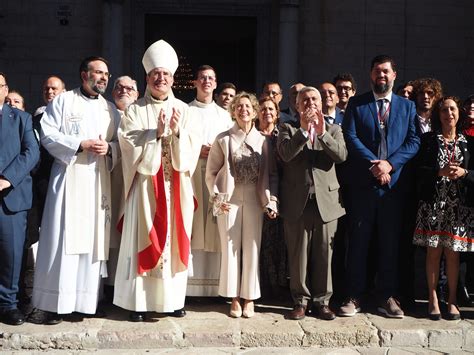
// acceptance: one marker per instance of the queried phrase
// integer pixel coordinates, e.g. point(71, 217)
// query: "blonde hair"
point(243, 94)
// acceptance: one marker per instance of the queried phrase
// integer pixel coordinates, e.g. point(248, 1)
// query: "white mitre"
point(160, 55)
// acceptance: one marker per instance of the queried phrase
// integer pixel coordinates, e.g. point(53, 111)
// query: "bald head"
point(52, 87)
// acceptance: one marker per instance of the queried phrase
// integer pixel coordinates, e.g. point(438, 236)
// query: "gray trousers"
point(310, 241)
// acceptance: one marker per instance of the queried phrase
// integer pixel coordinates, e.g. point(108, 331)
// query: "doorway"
point(227, 43)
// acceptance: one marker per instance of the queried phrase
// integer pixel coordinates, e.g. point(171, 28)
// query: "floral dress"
point(446, 221)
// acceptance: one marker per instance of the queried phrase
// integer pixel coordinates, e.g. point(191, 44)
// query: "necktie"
point(329, 119)
point(382, 110)
point(311, 134)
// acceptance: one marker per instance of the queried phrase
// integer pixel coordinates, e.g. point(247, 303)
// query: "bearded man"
point(380, 133)
point(79, 129)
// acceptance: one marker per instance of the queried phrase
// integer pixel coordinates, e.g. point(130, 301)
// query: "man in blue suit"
point(380, 133)
point(332, 113)
point(19, 153)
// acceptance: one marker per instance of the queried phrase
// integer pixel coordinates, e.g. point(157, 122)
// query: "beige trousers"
point(240, 232)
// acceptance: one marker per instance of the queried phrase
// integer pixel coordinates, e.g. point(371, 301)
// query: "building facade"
point(248, 42)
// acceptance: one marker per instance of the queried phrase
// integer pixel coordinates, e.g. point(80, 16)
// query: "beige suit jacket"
point(304, 164)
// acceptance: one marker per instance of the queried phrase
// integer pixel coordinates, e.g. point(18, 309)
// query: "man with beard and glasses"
point(380, 132)
point(125, 93)
point(79, 129)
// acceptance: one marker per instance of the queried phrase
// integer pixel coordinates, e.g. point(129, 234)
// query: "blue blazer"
point(361, 132)
point(338, 117)
point(19, 153)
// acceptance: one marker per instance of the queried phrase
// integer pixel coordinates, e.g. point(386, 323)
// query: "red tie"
point(311, 134)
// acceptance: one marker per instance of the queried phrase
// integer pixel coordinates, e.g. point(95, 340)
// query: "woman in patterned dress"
point(444, 222)
point(240, 176)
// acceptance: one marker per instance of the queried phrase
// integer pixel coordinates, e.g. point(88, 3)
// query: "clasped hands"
point(452, 171)
point(313, 117)
point(381, 169)
point(96, 146)
point(174, 123)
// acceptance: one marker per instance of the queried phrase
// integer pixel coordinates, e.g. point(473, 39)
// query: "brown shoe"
point(325, 313)
point(349, 308)
point(391, 308)
point(298, 312)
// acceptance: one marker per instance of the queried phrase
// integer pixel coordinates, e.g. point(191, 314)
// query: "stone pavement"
point(207, 328)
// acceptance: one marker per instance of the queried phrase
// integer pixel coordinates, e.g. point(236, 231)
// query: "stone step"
point(208, 325)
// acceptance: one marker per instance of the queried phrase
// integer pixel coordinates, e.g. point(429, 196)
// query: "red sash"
point(149, 257)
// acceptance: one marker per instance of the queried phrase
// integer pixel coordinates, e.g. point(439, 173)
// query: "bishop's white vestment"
point(152, 269)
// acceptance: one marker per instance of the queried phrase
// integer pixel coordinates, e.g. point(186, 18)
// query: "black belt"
point(312, 196)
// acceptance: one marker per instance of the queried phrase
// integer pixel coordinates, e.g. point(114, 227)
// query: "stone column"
point(288, 47)
point(112, 36)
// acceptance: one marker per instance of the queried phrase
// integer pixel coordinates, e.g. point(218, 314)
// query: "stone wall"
point(426, 38)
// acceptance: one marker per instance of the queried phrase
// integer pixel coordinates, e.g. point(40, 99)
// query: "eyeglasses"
point(101, 73)
point(207, 77)
point(272, 93)
point(344, 88)
point(124, 88)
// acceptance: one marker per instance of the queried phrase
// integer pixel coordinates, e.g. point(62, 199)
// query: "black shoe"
point(13, 317)
point(137, 316)
point(179, 313)
point(453, 316)
point(434, 316)
point(53, 318)
point(37, 316)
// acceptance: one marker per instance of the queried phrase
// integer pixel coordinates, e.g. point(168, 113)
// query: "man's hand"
point(384, 179)
point(205, 151)
point(4, 184)
point(101, 146)
point(307, 117)
point(96, 146)
point(160, 129)
point(319, 125)
point(174, 121)
point(380, 167)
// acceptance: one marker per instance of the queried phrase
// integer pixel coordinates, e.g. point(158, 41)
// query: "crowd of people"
point(146, 201)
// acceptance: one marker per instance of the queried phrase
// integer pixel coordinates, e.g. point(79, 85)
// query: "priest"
point(79, 129)
point(160, 142)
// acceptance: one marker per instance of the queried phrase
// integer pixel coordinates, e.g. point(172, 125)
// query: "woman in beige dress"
point(243, 181)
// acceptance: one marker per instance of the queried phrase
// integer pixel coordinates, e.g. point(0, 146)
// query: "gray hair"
point(306, 89)
point(125, 77)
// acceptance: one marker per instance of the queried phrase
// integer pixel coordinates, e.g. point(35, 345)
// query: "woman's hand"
point(271, 214)
point(452, 171)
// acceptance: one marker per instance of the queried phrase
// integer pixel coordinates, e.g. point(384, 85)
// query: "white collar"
point(387, 97)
